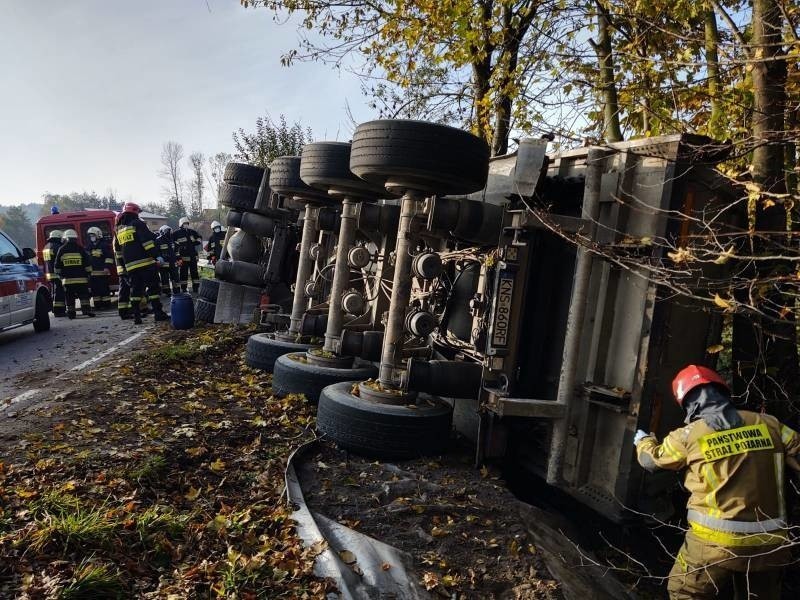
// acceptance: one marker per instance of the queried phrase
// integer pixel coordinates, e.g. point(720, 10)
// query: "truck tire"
point(209, 288)
point(223, 270)
point(326, 166)
point(418, 155)
point(383, 430)
point(238, 197)
point(233, 218)
point(204, 310)
point(41, 316)
point(293, 375)
point(243, 246)
point(243, 174)
point(284, 178)
point(262, 351)
point(258, 225)
point(246, 273)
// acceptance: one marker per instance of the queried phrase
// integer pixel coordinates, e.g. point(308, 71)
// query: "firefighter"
point(124, 294)
point(214, 244)
point(74, 267)
point(102, 260)
point(168, 271)
point(140, 258)
point(734, 461)
point(49, 253)
point(186, 242)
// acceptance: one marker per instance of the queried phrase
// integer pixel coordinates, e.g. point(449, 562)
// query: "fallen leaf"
point(715, 349)
point(721, 302)
point(192, 494)
point(217, 466)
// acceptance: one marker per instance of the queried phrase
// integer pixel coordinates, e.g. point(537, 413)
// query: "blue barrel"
point(182, 310)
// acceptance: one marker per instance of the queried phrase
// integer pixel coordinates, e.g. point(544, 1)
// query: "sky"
point(91, 89)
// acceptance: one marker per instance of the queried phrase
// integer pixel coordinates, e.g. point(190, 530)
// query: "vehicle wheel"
point(204, 310)
point(383, 430)
point(246, 273)
point(237, 196)
point(233, 218)
point(243, 175)
point(424, 156)
point(41, 316)
point(209, 288)
point(293, 375)
point(258, 225)
point(262, 351)
point(284, 178)
point(223, 270)
point(326, 165)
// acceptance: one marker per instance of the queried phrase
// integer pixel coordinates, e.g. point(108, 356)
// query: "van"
point(80, 221)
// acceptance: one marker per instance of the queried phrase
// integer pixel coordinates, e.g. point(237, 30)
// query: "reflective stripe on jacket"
point(101, 257)
point(185, 239)
point(72, 264)
point(49, 253)
point(735, 477)
point(134, 243)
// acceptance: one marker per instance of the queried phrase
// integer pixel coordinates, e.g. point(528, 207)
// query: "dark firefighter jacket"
point(185, 239)
point(135, 243)
point(166, 249)
point(49, 253)
point(72, 264)
point(214, 246)
point(101, 256)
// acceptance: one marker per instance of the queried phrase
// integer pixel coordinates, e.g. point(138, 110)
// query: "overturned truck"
point(519, 299)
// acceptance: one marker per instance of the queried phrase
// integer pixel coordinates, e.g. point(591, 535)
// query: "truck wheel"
point(256, 224)
point(204, 310)
point(293, 375)
point(417, 155)
point(262, 351)
point(223, 270)
point(383, 430)
point(209, 288)
point(233, 218)
point(284, 178)
point(237, 197)
point(41, 316)
point(243, 174)
point(246, 273)
point(326, 165)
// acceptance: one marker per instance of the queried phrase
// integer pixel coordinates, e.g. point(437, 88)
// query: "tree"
point(197, 184)
point(18, 226)
point(270, 140)
point(171, 157)
point(216, 170)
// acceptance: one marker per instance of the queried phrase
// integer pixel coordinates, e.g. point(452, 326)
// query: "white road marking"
point(111, 350)
point(21, 397)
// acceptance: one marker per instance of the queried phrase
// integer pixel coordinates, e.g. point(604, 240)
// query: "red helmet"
point(690, 377)
point(131, 207)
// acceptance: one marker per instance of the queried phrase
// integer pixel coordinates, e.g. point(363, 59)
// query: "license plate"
point(502, 314)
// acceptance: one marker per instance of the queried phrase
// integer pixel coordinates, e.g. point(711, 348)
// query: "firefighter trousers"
point(101, 291)
point(59, 305)
point(79, 291)
point(707, 571)
point(145, 284)
point(189, 267)
point(124, 296)
point(169, 280)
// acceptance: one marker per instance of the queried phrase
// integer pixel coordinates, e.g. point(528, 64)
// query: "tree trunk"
point(481, 75)
point(611, 126)
point(507, 61)
point(765, 349)
point(712, 71)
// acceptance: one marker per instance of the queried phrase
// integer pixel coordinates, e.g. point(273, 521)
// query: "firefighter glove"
point(640, 435)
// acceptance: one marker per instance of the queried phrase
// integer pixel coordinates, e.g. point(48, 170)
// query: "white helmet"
point(70, 234)
point(164, 229)
point(183, 221)
point(95, 231)
point(215, 224)
point(55, 234)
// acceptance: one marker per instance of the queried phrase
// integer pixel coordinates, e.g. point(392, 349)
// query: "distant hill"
point(32, 209)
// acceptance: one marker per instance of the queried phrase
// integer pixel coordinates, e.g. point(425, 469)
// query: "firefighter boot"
point(71, 314)
point(137, 314)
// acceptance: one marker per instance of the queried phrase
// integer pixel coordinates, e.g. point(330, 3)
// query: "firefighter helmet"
point(70, 234)
point(215, 224)
point(131, 207)
point(690, 377)
point(183, 221)
point(95, 231)
point(55, 234)
point(164, 229)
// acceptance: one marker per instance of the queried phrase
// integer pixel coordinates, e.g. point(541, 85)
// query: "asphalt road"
point(31, 361)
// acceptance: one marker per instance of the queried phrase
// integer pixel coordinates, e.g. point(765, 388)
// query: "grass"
point(161, 519)
point(151, 470)
point(171, 353)
point(73, 527)
point(94, 581)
